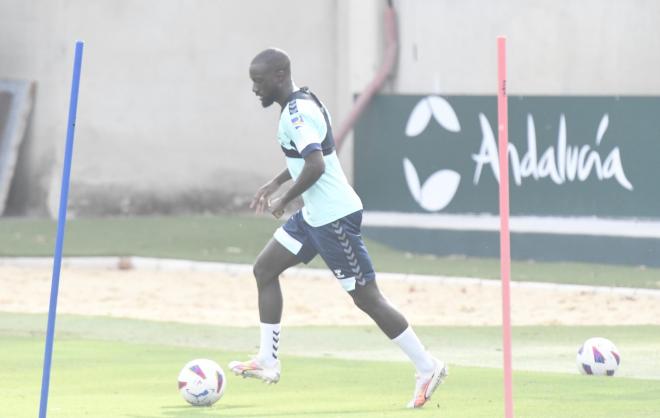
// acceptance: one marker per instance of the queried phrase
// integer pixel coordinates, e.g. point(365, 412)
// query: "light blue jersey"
point(303, 129)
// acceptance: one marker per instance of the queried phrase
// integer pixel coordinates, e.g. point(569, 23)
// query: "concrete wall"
point(166, 111)
point(557, 47)
point(167, 121)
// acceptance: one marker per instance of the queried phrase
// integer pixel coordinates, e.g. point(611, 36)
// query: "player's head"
point(270, 72)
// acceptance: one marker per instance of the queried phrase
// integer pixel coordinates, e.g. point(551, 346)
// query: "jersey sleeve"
point(306, 126)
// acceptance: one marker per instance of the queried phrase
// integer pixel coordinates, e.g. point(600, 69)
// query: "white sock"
point(270, 342)
point(412, 346)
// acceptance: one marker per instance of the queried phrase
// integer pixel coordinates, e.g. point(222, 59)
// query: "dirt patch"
point(314, 299)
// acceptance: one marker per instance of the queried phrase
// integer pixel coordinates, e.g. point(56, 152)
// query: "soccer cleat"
point(254, 369)
point(425, 386)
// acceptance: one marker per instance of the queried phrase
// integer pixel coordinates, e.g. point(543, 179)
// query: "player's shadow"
point(229, 411)
point(187, 411)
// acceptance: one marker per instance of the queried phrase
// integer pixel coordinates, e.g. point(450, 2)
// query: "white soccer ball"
point(598, 356)
point(202, 382)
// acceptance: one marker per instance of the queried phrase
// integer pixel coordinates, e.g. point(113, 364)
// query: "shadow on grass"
point(238, 411)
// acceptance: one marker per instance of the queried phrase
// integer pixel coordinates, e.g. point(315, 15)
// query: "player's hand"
point(260, 200)
point(276, 207)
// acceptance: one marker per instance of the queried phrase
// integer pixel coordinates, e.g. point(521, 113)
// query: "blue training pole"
point(61, 222)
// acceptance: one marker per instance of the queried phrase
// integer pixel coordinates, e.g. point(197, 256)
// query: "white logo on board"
point(561, 164)
point(439, 189)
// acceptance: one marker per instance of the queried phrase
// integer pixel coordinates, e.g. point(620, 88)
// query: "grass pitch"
point(103, 368)
point(121, 368)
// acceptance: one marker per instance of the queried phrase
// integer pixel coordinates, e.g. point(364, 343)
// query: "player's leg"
point(430, 371)
point(271, 262)
point(371, 301)
point(342, 248)
point(286, 249)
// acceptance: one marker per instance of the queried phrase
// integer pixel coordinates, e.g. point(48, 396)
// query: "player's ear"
point(280, 76)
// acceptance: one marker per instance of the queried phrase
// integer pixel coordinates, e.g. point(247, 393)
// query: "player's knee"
point(261, 272)
point(367, 301)
point(359, 302)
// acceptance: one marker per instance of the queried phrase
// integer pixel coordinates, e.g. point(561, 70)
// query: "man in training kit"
point(328, 224)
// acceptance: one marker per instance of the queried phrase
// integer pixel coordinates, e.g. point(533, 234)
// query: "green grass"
point(104, 368)
point(239, 238)
point(535, 348)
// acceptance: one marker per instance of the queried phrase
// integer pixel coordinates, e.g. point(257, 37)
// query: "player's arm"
point(260, 199)
point(282, 178)
point(306, 128)
point(312, 170)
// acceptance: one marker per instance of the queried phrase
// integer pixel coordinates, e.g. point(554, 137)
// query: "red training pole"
point(505, 249)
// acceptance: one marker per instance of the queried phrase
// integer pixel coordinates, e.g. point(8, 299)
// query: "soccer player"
point(328, 224)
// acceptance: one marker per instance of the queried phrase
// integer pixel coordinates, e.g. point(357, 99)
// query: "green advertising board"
point(582, 171)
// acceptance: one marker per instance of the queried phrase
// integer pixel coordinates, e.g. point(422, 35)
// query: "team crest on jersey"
point(297, 121)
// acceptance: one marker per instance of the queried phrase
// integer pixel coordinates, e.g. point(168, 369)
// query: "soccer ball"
point(598, 356)
point(202, 382)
